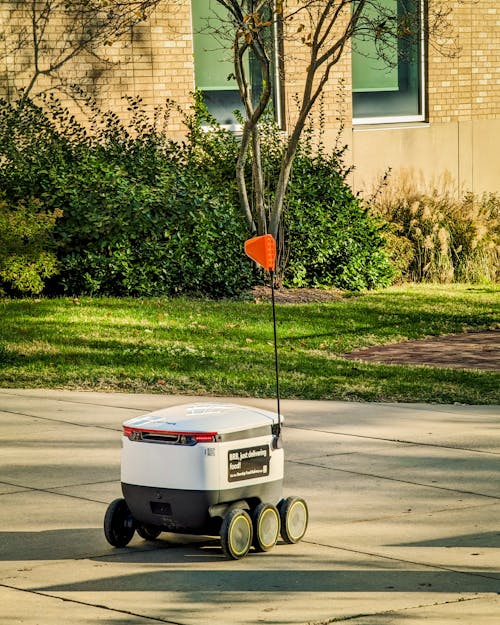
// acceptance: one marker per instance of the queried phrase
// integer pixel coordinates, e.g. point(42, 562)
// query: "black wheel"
point(294, 517)
point(118, 523)
point(236, 534)
point(148, 532)
point(266, 526)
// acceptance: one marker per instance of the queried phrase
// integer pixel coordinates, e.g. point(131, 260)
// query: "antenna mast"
point(276, 360)
point(262, 250)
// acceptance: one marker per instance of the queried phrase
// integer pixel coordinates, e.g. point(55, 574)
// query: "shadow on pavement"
point(88, 543)
point(212, 580)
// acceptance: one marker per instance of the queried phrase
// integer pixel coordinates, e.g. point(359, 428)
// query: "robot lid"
point(205, 421)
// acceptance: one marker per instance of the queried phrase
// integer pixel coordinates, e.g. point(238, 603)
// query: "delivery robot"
point(205, 468)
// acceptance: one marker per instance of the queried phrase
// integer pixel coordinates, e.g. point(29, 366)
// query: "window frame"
point(277, 72)
point(422, 96)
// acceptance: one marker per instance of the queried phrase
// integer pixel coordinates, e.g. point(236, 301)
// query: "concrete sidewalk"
point(405, 520)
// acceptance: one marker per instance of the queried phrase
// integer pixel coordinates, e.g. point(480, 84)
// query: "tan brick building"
point(437, 114)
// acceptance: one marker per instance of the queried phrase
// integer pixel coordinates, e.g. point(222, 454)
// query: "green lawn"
point(225, 347)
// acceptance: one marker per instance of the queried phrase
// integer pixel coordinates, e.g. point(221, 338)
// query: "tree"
point(89, 24)
point(325, 28)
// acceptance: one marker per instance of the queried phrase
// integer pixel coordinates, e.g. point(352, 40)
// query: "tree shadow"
point(488, 540)
point(180, 556)
point(283, 579)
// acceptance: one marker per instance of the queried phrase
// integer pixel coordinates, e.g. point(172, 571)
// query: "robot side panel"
point(170, 466)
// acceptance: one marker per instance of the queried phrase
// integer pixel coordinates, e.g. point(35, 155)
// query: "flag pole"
point(276, 360)
point(262, 250)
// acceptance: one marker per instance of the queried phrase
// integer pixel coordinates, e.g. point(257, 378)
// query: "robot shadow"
point(89, 543)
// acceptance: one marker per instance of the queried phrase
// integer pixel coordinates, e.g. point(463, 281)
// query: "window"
point(387, 77)
point(213, 64)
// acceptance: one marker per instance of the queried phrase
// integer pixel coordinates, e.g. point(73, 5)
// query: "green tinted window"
point(387, 72)
point(213, 64)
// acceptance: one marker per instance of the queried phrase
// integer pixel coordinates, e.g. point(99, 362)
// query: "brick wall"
point(154, 60)
point(466, 86)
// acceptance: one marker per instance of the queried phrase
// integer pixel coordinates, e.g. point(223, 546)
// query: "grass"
point(225, 348)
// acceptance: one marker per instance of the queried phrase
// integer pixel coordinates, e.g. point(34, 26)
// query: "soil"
point(296, 296)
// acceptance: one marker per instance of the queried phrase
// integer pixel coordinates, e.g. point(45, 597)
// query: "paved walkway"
point(405, 521)
point(473, 350)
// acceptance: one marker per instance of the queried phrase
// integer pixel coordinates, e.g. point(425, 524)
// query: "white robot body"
point(184, 466)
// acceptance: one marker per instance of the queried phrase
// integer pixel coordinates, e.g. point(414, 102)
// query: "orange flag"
point(262, 250)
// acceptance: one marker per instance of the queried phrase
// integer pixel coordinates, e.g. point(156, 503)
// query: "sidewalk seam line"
point(394, 440)
point(341, 619)
point(90, 605)
point(393, 479)
point(403, 561)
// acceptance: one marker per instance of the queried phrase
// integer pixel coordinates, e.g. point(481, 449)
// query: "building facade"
point(430, 112)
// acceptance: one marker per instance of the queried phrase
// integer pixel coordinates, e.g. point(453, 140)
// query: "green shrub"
point(121, 236)
point(328, 238)
point(445, 238)
point(32, 148)
point(145, 215)
point(26, 257)
point(333, 241)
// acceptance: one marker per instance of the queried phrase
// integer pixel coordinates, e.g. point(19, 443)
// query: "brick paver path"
point(474, 350)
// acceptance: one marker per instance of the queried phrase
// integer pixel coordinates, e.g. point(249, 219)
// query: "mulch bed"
point(296, 296)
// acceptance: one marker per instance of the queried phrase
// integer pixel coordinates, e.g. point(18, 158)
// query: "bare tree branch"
point(325, 30)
